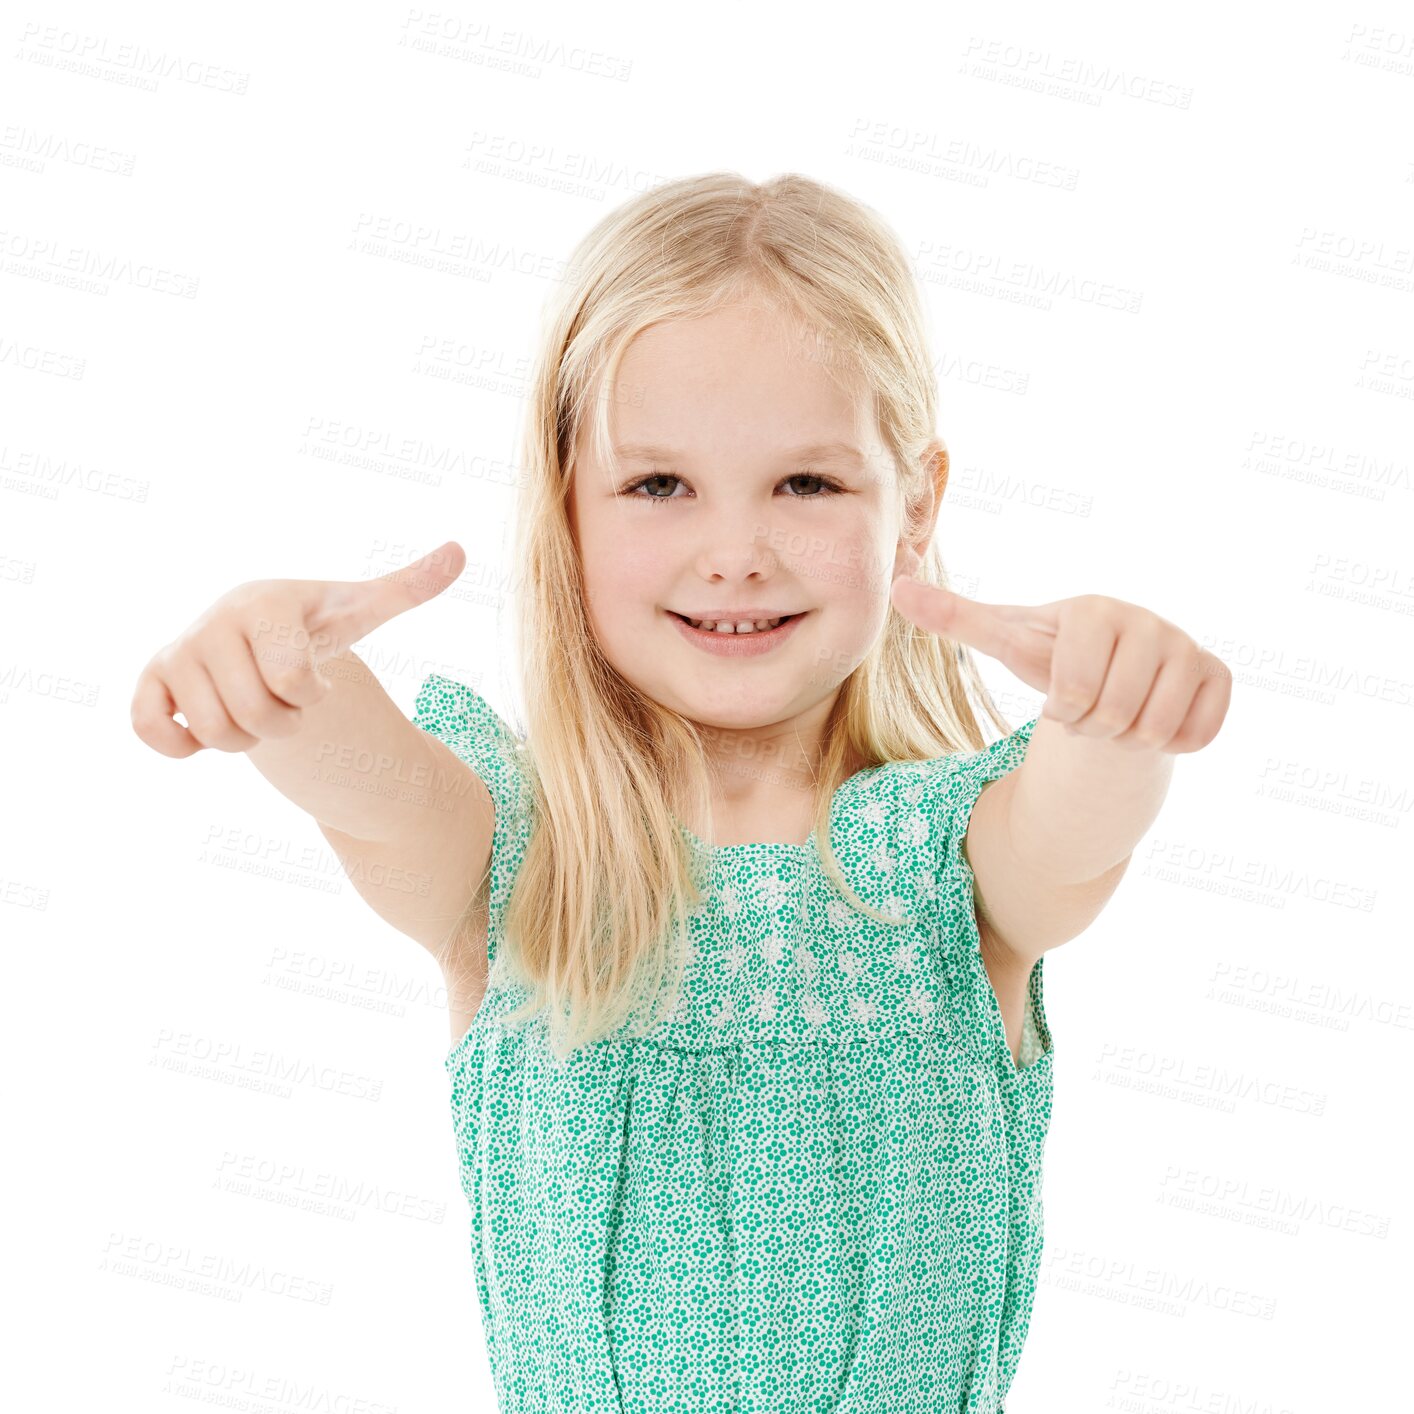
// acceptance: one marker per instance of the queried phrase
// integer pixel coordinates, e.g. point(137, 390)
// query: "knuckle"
point(265, 611)
point(273, 653)
point(227, 739)
point(1152, 632)
point(285, 674)
point(244, 717)
point(1193, 659)
point(252, 591)
point(144, 723)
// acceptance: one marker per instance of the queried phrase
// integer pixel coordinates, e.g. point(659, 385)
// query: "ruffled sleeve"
point(459, 716)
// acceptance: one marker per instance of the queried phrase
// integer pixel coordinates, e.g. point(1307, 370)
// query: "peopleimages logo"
point(1065, 76)
point(101, 57)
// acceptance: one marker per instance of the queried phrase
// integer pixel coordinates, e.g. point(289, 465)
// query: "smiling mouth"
point(728, 630)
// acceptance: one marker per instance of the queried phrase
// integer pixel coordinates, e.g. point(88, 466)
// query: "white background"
point(213, 370)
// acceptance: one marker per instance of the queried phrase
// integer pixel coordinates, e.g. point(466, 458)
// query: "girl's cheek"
point(846, 559)
point(634, 562)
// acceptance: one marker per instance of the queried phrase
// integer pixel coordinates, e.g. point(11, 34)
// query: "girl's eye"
point(645, 481)
point(830, 487)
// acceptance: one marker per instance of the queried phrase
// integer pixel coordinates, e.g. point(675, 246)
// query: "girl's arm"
point(410, 822)
point(358, 765)
point(267, 671)
point(1125, 692)
point(1076, 806)
point(1049, 842)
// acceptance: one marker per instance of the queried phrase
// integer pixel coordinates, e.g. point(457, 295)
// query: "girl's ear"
point(935, 469)
point(936, 459)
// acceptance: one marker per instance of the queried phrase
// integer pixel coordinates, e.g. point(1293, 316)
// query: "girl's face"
point(751, 481)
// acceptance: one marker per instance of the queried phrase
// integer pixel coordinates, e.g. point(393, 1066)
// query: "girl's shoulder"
point(457, 714)
point(940, 786)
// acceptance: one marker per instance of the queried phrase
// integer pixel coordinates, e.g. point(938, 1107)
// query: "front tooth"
point(745, 626)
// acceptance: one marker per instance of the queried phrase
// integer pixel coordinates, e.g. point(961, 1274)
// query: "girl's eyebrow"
point(813, 451)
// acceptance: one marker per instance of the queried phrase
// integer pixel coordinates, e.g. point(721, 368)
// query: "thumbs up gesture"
point(242, 671)
point(1109, 669)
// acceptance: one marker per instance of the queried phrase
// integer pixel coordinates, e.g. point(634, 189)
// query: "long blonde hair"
point(598, 917)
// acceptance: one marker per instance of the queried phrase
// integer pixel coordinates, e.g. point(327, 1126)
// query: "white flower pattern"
point(906, 956)
point(775, 891)
point(729, 900)
point(882, 858)
point(919, 1002)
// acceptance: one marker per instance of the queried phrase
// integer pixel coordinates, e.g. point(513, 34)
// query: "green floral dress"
point(817, 1185)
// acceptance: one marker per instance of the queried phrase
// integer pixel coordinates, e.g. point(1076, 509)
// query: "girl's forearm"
point(1077, 805)
point(357, 764)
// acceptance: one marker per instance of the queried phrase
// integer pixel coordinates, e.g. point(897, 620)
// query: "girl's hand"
point(242, 672)
point(1108, 669)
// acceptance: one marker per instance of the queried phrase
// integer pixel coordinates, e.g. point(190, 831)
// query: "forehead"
point(848, 453)
point(740, 382)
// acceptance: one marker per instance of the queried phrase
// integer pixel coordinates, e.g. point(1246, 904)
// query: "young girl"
point(751, 1074)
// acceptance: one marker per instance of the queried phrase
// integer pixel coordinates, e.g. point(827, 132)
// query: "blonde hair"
point(597, 921)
